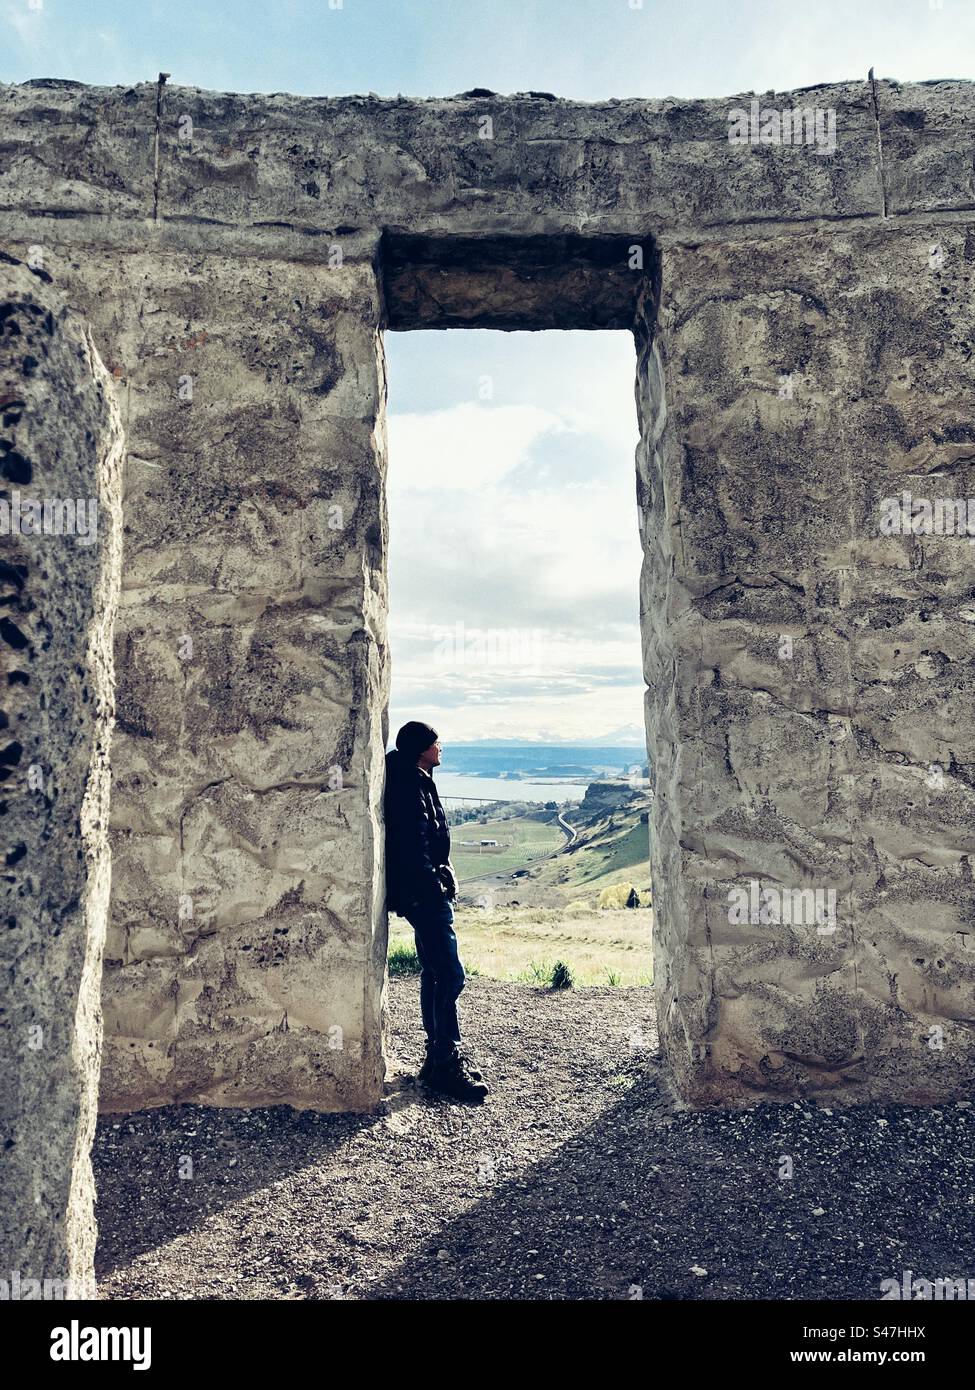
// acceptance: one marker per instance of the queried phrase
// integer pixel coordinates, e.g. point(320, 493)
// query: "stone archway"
point(783, 912)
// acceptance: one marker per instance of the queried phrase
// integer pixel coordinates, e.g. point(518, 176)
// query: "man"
point(422, 887)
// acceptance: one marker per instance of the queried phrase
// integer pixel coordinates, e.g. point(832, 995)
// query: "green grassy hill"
point(516, 929)
point(612, 845)
point(614, 849)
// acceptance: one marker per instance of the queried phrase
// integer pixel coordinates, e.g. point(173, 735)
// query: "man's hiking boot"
point(466, 1061)
point(469, 1065)
point(450, 1077)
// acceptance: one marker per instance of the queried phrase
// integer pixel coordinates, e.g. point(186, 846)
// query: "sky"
point(514, 552)
point(514, 555)
point(585, 49)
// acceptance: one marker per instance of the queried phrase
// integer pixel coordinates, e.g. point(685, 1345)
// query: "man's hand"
point(449, 879)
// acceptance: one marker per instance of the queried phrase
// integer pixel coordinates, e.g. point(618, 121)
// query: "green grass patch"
point(552, 974)
point(628, 851)
point(561, 976)
point(403, 959)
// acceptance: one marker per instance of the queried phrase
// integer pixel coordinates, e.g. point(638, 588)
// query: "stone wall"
point(802, 330)
point(60, 457)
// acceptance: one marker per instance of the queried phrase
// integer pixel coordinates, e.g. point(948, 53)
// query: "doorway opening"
point(515, 574)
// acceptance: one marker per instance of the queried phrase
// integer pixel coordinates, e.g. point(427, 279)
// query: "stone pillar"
point(61, 449)
point(810, 673)
point(246, 954)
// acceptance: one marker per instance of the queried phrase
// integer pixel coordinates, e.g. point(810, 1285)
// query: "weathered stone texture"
point(239, 965)
point(60, 440)
point(846, 765)
point(803, 328)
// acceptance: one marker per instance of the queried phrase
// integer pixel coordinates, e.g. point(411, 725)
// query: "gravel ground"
point(576, 1179)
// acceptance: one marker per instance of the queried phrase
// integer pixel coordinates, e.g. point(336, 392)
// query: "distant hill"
point(612, 845)
point(602, 798)
point(540, 760)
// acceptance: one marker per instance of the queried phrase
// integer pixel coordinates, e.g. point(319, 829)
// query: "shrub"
point(561, 976)
point(618, 895)
point(403, 960)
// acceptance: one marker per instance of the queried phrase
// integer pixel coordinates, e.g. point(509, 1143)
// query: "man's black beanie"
point(415, 738)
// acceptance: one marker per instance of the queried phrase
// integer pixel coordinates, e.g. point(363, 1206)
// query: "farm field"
point(529, 840)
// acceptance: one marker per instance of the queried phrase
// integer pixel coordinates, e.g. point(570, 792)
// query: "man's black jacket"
point(417, 838)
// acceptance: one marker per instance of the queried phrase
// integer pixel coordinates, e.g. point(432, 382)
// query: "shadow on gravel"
point(659, 1205)
point(778, 1202)
point(139, 1161)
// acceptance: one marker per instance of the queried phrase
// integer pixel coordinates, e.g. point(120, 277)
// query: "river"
point(458, 785)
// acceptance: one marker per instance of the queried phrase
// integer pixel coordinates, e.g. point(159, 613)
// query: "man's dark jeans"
point(441, 973)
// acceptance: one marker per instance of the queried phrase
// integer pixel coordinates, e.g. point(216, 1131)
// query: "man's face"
point(430, 757)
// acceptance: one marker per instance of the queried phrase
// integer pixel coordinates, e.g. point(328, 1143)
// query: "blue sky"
point(586, 49)
point(511, 455)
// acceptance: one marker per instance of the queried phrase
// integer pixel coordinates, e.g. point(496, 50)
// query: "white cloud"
point(499, 557)
point(588, 717)
point(463, 448)
point(515, 519)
